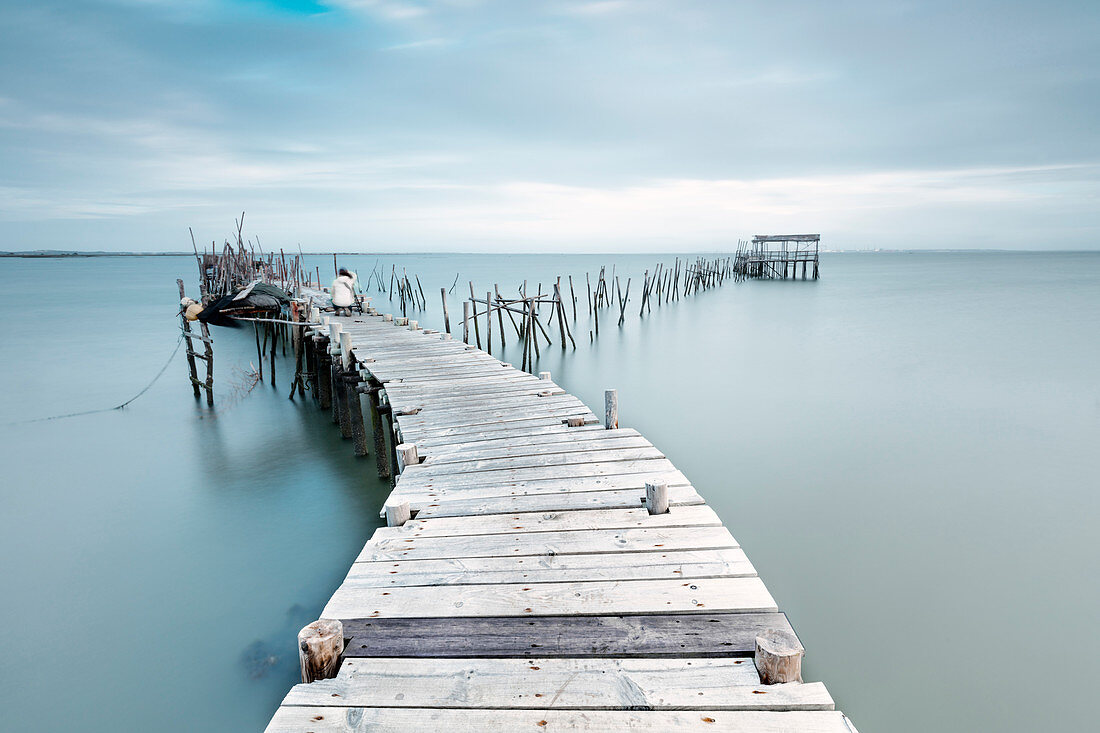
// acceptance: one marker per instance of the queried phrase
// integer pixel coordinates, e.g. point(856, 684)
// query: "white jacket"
point(343, 291)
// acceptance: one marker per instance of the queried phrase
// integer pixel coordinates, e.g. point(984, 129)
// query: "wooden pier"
point(544, 568)
point(772, 256)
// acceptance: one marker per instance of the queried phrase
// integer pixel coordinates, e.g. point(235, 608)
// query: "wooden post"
point(381, 454)
point(324, 368)
point(320, 645)
point(489, 322)
point(466, 321)
point(407, 456)
point(208, 343)
point(274, 338)
point(778, 657)
point(473, 304)
point(656, 498)
point(355, 414)
point(611, 409)
point(185, 326)
point(446, 316)
point(500, 315)
point(397, 512)
point(544, 375)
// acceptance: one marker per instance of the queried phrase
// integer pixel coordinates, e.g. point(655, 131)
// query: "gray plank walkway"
point(532, 590)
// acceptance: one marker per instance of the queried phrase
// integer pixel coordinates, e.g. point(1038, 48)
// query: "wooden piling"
point(489, 322)
point(320, 645)
point(446, 315)
point(656, 498)
point(378, 430)
point(611, 409)
point(778, 657)
point(406, 456)
point(324, 367)
point(397, 512)
point(355, 414)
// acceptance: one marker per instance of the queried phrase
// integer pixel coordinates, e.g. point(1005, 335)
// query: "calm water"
point(907, 450)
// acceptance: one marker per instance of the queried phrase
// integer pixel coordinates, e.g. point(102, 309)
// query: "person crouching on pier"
point(343, 292)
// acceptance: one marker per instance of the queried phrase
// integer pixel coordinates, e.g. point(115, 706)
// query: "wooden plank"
point(516, 475)
point(529, 447)
point(504, 463)
point(547, 429)
point(564, 521)
point(492, 418)
point(492, 415)
point(402, 720)
point(401, 392)
point(580, 500)
point(549, 543)
point(657, 635)
point(496, 397)
point(492, 412)
point(421, 498)
point(514, 382)
point(729, 562)
point(564, 437)
point(572, 684)
point(597, 597)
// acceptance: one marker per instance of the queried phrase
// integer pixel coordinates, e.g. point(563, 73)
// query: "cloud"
point(461, 123)
point(386, 9)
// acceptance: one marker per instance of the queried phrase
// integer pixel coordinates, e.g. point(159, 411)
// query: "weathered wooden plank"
point(516, 475)
point(729, 562)
point(658, 635)
point(565, 439)
point(572, 684)
point(595, 597)
point(521, 393)
point(496, 397)
point(503, 463)
point(421, 498)
point(402, 720)
point(549, 543)
point(493, 415)
point(564, 521)
point(547, 428)
point(488, 423)
point(579, 500)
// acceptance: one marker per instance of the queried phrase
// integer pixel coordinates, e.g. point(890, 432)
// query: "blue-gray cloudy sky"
point(570, 125)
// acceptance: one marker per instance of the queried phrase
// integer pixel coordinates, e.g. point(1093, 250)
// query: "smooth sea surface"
point(908, 450)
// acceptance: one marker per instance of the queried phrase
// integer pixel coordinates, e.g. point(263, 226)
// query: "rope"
point(116, 407)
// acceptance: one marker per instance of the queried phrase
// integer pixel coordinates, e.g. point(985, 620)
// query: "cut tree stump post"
point(778, 658)
point(611, 409)
point(656, 498)
point(406, 456)
point(320, 645)
point(397, 513)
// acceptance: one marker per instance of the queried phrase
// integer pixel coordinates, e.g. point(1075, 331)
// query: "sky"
point(605, 125)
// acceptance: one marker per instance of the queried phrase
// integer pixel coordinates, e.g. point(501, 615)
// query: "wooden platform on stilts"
point(545, 569)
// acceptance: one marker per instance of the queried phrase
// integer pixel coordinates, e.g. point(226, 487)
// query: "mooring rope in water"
point(163, 369)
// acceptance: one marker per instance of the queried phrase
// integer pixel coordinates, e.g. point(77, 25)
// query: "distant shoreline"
point(49, 254)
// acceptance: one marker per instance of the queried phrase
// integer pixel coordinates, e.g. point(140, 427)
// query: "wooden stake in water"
point(446, 316)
